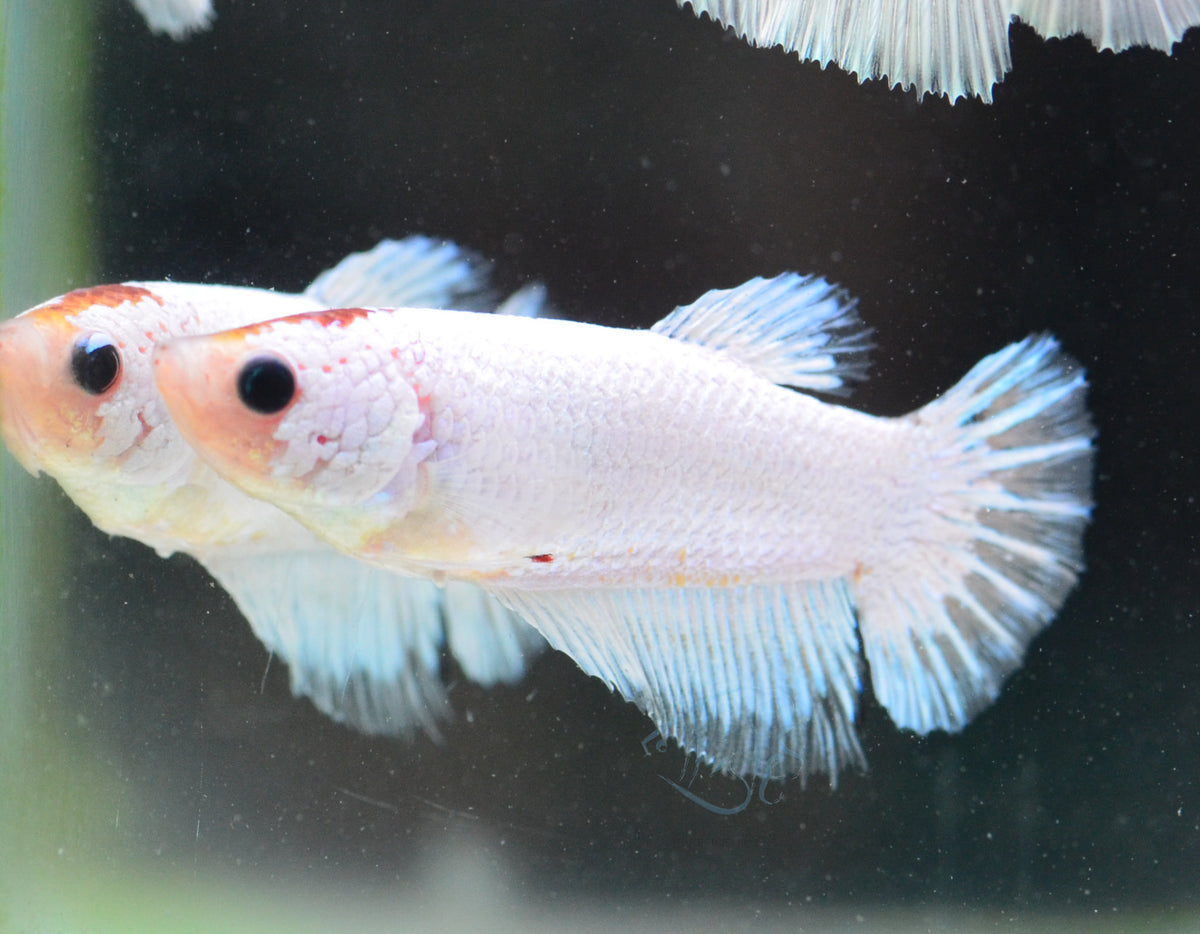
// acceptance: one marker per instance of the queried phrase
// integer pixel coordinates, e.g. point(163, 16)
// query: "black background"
point(631, 157)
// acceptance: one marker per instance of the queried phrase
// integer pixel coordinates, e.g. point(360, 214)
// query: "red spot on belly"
point(541, 559)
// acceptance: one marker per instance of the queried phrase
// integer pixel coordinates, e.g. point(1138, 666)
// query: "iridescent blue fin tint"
point(1112, 24)
point(362, 643)
point(419, 272)
point(490, 644)
point(1011, 491)
point(955, 48)
point(529, 301)
point(793, 330)
point(365, 644)
point(754, 680)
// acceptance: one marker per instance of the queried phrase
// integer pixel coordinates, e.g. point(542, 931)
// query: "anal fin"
point(363, 644)
point(754, 680)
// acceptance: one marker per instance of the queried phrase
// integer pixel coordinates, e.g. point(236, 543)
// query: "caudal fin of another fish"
point(955, 48)
point(364, 644)
point(1007, 496)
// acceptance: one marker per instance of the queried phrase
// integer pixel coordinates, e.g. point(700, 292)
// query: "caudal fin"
point(999, 544)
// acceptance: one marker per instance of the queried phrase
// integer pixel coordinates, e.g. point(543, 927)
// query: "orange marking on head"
point(338, 316)
point(109, 296)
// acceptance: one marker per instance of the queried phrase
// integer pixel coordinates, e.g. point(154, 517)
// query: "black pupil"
point(266, 385)
point(95, 364)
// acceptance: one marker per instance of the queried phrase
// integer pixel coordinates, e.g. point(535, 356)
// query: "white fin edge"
point(1115, 25)
point(1011, 496)
point(491, 644)
point(363, 644)
point(177, 18)
point(416, 272)
point(955, 48)
point(529, 301)
point(793, 330)
point(753, 680)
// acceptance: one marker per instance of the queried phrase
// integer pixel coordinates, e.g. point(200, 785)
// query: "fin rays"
point(955, 48)
point(1010, 502)
point(793, 330)
point(754, 680)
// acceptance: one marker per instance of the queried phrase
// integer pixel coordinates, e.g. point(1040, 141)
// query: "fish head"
point(312, 412)
point(77, 394)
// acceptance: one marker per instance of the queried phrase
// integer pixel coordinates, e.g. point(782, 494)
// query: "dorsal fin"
point(793, 330)
point(416, 272)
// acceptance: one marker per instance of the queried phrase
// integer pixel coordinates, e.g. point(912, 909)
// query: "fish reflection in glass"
point(78, 402)
point(712, 545)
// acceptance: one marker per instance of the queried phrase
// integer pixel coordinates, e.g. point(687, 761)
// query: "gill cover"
point(301, 418)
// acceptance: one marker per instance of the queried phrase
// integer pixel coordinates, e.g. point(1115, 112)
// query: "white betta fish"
point(78, 401)
point(709, 543)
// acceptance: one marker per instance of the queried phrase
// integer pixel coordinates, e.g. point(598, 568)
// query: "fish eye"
point(95, 364)
point(266, 385)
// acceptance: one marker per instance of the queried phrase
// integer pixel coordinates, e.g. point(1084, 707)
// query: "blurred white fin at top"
point(951, 48)
point(793, 330)
point(955, 48)
point(1112, 24)
point(177, 18)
